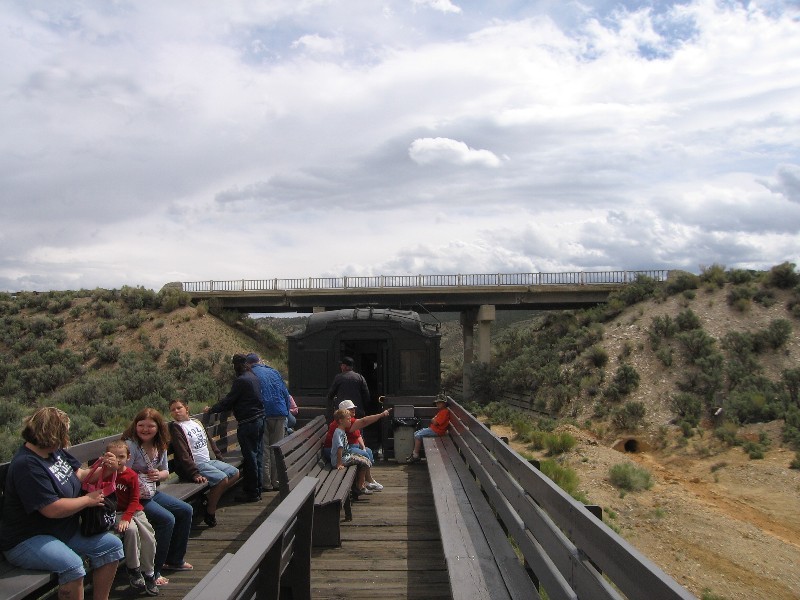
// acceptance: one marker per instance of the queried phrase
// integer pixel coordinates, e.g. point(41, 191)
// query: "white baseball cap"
point(346, 404)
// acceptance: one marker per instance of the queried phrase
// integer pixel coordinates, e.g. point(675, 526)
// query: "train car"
point(397, 353)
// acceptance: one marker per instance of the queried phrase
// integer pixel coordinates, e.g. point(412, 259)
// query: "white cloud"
point(428, 151)
point(151, 141)
point(444, 6)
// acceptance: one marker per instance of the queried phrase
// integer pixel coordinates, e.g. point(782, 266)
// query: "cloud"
point(428, 151)
point(786, 182)
point(148, 142)
point(444, 6)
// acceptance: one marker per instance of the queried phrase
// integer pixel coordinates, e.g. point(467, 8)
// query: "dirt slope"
point(723, 523)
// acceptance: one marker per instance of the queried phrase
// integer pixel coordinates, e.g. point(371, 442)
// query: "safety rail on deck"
point(422, 281)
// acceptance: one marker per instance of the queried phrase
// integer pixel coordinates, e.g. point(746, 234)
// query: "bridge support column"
point(486, 314)
point(467, 325)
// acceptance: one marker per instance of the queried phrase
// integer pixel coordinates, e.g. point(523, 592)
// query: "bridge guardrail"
point(423, 281)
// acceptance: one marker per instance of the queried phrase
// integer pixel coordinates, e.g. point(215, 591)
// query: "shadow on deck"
point(391, 548)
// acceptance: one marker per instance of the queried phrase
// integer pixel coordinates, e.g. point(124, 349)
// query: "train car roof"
point(407, 319)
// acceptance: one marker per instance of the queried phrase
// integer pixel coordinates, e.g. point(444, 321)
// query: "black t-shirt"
point(33, 482)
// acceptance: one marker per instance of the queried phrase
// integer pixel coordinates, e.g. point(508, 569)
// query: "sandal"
point(210, 519)
point(184, 567)
point(161, 580)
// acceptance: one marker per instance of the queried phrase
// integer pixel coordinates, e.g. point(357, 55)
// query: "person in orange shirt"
point(438, 427)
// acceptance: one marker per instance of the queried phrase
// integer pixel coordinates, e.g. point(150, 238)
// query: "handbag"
point(99, 519)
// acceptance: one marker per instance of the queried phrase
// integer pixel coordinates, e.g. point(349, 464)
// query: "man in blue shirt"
point(276, 409)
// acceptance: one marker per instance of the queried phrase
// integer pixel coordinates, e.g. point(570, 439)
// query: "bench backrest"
point(277, 554)
point(571, 552)
point(297, 453)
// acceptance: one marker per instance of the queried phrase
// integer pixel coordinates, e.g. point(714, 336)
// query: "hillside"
point(721, 523)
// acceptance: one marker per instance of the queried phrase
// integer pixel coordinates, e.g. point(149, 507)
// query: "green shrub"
point(728, 433)
point(687, 320)
point(563, 477)
point(681, 281)
point(783, 276)
point(739, 276)
point(630, 478)
point(559, 443)
point(713, 275)
point(764, 297)
point(629, 416)
point(597, 356)
point(626, 379)
point(664, 354)
point(697, 344)
point(688, 407)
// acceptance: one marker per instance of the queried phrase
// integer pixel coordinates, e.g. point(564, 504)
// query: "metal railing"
point(426, 281)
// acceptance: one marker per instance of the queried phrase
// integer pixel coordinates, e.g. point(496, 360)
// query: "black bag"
point(99, 519)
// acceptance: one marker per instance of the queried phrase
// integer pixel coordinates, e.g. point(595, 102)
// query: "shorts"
point(47, 553)
point(426, 432)
point(216, 470)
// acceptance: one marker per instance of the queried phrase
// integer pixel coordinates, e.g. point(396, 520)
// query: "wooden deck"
point(391, 548)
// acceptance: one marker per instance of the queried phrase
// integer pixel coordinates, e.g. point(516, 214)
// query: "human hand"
point(206, 409)
point(110, 460)
point(153, 475)
point(122, 526)
point(95, 498)
point(339, 467)
point(199, 479)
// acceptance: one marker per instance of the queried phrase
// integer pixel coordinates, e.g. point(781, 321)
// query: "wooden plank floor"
point(390, 549)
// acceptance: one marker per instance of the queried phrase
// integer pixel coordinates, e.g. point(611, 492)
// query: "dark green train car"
point(396, 351)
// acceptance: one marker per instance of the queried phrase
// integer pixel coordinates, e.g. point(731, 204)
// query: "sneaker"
point(136, 579)
point(412, 459)
point(150, 586)
point(365, 490)
point(375, 486)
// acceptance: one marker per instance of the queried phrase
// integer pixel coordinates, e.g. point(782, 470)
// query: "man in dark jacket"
point(244, 400)
point(349, 385)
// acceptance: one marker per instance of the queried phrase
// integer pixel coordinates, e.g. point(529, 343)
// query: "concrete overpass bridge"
point(476, 297)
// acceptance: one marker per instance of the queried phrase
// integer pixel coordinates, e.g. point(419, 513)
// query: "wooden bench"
point(486, 493)
point(300, 455)
point(274, 562)
point(17, 583)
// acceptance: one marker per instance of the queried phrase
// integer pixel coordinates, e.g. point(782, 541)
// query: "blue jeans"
point(46, 553)
point(250, 436)
point(216, 471)
point(172, 521)
point(356, 449)
point(291, 421)
point(423, 433)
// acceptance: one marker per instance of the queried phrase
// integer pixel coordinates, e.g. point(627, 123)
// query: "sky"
point(152, 141)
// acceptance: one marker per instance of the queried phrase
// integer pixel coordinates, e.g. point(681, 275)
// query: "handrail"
point(282, 543)
point(425, 281)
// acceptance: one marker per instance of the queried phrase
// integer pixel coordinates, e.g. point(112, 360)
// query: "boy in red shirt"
point(438, 427)
point(138, 537)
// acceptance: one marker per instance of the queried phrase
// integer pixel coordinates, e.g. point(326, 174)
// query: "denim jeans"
point(172, 520)
point(250, 436)
point(46, 553)
point(356, 449)
point(291, 421)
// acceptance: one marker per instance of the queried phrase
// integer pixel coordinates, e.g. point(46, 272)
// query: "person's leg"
point(291, 421)
point(104, 553)
point(102, 580)
point(250, 444)
point(131, 544)
point(46, 553)
point(163, 523)
point(270, 437)
point(147, 543)
point(277, 433)
point(182, 513)
point(221, 476)
point(418, 436)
